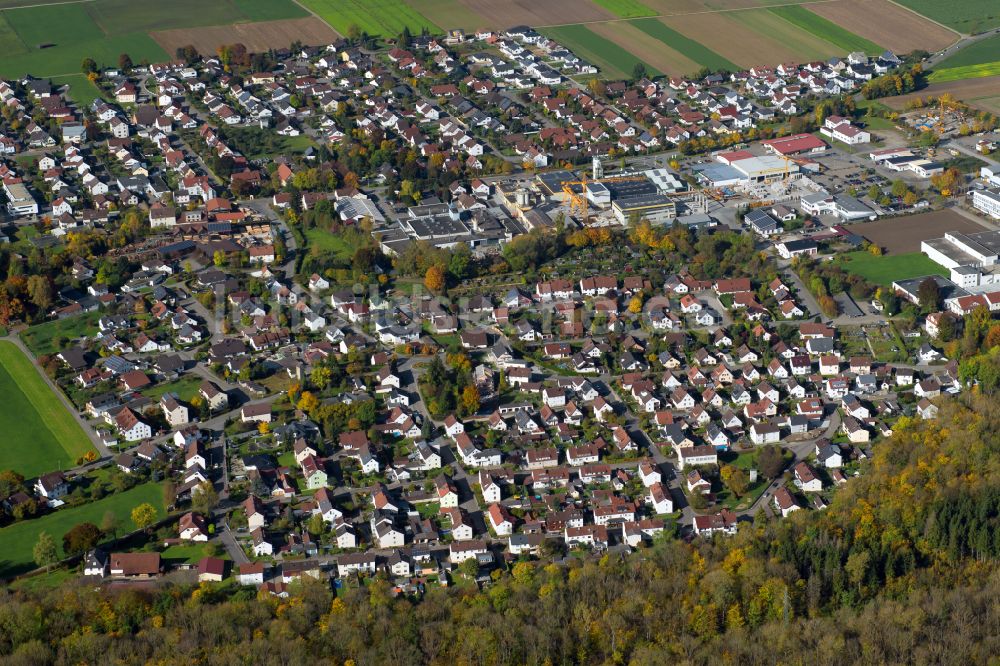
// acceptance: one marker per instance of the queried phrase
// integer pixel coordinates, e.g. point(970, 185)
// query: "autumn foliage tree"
point(434, 279)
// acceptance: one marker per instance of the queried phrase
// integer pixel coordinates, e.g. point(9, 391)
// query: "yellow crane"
point(578, 200)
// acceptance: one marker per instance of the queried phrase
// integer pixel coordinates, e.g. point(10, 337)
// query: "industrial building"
point(657, 208)
point(20, 203)
point(987, 201)
point(845, 207)
point(971, 258)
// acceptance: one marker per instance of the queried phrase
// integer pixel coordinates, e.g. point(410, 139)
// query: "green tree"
point(204, 497)
point(771, 461)
point(88, 66)
point(44, 553)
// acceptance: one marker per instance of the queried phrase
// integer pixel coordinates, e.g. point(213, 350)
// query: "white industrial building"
point(987, 201)
point(971, 258)
point(19, 200)
point(845, 207)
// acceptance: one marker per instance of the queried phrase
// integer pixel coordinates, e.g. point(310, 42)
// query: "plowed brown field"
point(256, 37)
point(886, 23)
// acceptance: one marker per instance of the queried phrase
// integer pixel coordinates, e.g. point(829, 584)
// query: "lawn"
point(385, 18)
point(826, 29)
point(887, 269)
point(185, 388)
point(187, 553)
point(343, 245)
point(81, 90)
point(968, 16)
point(613, 61)
point(625, 8)
point(42, 338)
point(19, 539)
point(692, 49)
point(40, 434)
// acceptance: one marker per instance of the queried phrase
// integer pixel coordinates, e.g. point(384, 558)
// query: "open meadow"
point(385, 18)
point(19, 539)
point(40, 435)
point(885, 270)
point(53, 39)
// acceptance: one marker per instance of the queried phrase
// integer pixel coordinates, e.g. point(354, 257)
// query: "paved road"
point(232, 547)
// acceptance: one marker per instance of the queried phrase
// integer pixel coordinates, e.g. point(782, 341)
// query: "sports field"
point(40, 435)
point(53, 39)
point(385, 18)
point(887, 269)
point(19, 539)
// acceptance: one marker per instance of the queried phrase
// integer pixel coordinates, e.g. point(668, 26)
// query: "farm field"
point(255, 36)
point(902, 235)
point(964, 72)
point(20, 538)
point(964, 89)
point(718, 32)
point(626, 8)
point(804, 44)
point(613, 61)
point(974, 61)
point(887, 269)
point(104, 29)
point(40, 435)
point(886, 23)
point(448, 14)
point(505, 13)
point(386, 18)
point(688, 47)
point(646, 47)
point(825, 29)
point(991, 104)
point(967, 16)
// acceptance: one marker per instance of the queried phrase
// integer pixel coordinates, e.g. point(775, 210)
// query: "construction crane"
point(578, 200)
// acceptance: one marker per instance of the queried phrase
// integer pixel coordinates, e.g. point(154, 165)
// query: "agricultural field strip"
point(688, 47)
point(825, 29)
point(648, 48)
point(382, 17)
point(611, 58)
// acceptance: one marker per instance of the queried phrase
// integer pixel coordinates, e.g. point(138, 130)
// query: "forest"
point(900, 569)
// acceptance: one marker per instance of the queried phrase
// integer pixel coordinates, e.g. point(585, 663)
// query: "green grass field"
point(80, 88)
point(625, 8)
point(613, 61)
point(886, 269)
point(826, 29)
point(984, 51)
point(19, 539)
point(187, 553)
point(385, 18)
point(967, 16)
point(269, 10)
point(692, 49)
point(41, 339)
point(40, 434)
point(104, 29)
point(340, 244)
point(185, 388)
point(966, 72)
